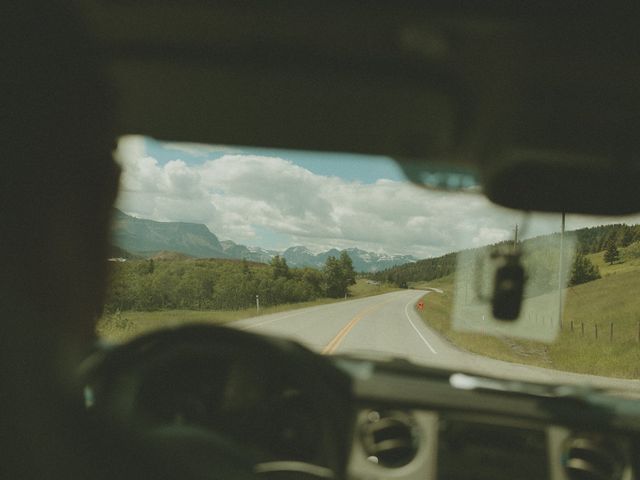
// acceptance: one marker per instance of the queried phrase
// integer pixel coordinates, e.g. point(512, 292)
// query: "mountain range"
point(148, 237)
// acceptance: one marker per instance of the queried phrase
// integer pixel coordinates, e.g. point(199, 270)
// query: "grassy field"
point(124, 325)
point(608, 301)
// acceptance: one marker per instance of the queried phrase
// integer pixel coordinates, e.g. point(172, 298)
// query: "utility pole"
point(466, 287)
point(560, 279)
point(515, 240)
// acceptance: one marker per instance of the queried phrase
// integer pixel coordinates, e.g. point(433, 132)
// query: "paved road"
point(390, 325)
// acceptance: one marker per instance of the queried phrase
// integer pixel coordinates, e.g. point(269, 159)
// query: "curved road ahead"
point(389, 324)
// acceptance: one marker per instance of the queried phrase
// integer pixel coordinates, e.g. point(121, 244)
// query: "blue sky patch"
point(366, 169)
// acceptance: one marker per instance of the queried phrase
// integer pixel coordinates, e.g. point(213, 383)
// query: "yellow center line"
point(337, 340)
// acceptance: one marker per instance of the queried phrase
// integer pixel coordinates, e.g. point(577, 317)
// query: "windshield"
point(341, 253)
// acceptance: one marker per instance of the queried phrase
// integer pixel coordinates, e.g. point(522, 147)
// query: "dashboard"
point(422, 444)
point(415, 426)
point(217, 393)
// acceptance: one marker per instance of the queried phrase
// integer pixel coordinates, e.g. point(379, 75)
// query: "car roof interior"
point(541, 102)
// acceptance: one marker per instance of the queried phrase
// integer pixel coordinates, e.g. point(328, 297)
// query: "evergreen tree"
point(280, 267)
point(583, 271)
point(336, 282)
point(314, 279)
point(611, 255)
point(347, 268)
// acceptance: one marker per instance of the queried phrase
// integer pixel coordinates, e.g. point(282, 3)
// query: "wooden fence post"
point(571, 326)
point(596, 325)
point(611, 331)
point(582, 327)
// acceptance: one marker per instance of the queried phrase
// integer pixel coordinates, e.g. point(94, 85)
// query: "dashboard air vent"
point(390, 438)
point(594, 457)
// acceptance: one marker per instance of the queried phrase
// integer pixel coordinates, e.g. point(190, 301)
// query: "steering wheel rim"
point(192, 447)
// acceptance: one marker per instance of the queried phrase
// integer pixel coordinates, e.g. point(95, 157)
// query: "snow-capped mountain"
point(255, 254)
point(148, 237)
point(363, 261)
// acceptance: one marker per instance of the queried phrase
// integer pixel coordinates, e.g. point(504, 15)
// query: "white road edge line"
point(266, 322)
point(433, 350)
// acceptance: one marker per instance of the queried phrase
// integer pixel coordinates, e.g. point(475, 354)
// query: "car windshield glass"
point(341, 253)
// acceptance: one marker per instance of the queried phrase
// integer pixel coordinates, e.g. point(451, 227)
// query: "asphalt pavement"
point(388, 325)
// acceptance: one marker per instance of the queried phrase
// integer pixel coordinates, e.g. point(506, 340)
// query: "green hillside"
point(629, 260)
point(142, 236)
point(610, 301)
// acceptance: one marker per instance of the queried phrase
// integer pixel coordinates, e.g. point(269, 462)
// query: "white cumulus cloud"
point(236, 194)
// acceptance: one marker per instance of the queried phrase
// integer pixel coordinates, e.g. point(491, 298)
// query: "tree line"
point(214, 284)
point(540, 260)
point(597, 239)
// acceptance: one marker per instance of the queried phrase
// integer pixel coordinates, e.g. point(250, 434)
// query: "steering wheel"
point(214, 402)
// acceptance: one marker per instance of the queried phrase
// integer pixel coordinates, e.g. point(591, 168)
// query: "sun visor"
point(298, 108)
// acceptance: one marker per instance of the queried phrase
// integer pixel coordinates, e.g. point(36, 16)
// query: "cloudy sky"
point(276, 199)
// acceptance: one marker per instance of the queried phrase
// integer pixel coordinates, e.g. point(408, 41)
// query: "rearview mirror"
point(557, 182)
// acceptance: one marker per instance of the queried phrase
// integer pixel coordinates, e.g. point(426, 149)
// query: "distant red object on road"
point(421, 305)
